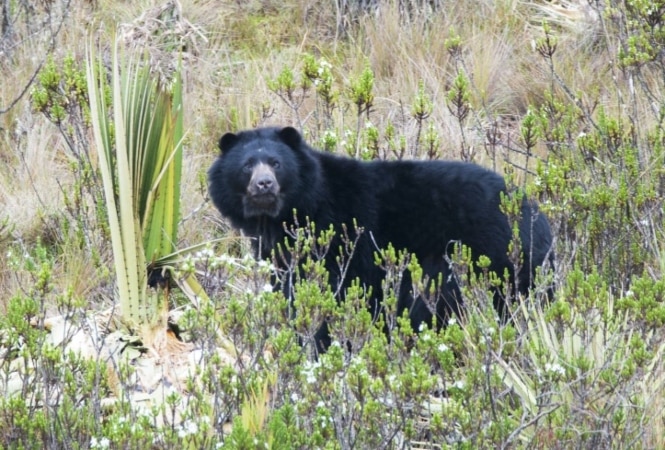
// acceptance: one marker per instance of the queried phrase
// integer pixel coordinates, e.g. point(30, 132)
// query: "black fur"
point(419, 206)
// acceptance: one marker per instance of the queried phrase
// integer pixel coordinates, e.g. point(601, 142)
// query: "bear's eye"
point(247, 168)
point(275, 164)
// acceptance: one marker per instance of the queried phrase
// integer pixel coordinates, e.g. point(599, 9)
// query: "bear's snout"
point(263, 193)
point(263, 181)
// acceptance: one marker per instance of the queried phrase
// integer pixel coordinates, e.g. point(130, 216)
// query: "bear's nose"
point(264, 183)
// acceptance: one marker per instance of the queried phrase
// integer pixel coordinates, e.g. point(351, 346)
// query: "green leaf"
point(141, 172)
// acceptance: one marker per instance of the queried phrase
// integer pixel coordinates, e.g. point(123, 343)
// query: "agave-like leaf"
point(160, 217)
point(114, 167)
point(141, 166)
point(127, 146)
point(140, 170)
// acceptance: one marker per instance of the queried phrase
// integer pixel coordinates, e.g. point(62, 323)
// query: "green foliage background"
point(565, 98)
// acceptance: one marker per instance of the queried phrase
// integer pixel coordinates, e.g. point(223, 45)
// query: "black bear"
point(268, 180)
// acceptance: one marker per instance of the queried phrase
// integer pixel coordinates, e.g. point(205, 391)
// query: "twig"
point(41, 63)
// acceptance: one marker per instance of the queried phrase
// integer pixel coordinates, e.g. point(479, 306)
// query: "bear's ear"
point(290, 136)
point(227, 141)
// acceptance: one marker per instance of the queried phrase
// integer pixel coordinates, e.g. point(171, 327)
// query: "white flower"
point(101, 443)
point(309, 372)
point(452, 321)
point(267, 287)
point(443, 348)
point(187, 429)
point(265, 266)
point(206, 253)
point(187, 264)
point(459, 384)
point(225, 258)
point(555, 369)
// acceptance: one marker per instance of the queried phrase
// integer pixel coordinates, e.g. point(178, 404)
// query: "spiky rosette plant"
point(138, 128)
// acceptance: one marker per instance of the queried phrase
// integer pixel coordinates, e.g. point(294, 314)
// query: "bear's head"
point(260, 168)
